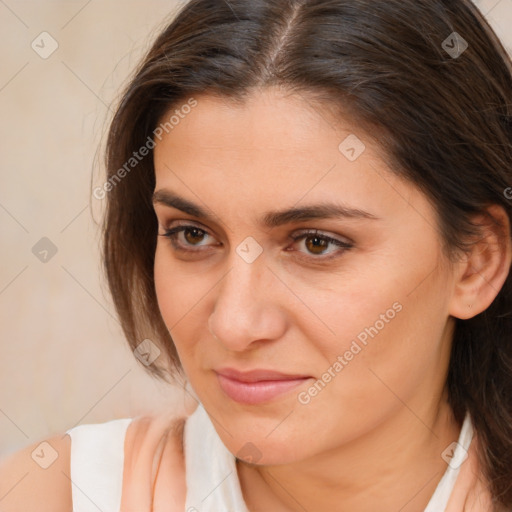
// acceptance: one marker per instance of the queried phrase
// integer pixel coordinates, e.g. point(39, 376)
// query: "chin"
point(259, 435)
point(265, 452)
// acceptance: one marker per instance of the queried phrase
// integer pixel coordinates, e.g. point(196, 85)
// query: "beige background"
point(63, 359)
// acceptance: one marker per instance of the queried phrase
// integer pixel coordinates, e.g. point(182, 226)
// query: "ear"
point(482, 272)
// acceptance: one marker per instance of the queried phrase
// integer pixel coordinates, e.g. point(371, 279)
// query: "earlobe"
point(484, 269)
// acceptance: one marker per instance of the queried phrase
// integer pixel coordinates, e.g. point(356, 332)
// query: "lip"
point(256, 386)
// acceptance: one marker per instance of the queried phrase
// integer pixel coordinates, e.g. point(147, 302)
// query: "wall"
point(63, 359)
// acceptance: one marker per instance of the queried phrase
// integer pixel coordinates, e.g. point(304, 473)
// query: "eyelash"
point(172, 233)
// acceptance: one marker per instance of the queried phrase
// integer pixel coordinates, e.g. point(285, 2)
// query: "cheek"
point(385, 328)
point(177, 289)
point(347, 308)
point(380, 364)
point(391, 346)
point(174, 297)
point(164, 286)
point(180, 296)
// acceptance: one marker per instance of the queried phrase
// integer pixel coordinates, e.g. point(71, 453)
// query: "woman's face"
point(346, 296)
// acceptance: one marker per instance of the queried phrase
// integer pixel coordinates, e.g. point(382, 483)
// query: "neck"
point(396, 466)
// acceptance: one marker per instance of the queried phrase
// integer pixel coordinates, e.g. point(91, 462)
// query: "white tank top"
point(97, 457)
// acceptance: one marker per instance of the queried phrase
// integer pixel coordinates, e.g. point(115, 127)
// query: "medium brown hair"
point(443, 119)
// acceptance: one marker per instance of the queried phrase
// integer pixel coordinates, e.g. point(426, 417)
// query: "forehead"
point(271, 127)
point(274, 148)
point(269, 119)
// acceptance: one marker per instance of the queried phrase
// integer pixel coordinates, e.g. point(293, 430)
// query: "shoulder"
point(154, 464)
point(37, 478)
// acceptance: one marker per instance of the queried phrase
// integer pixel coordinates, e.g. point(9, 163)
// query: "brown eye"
point(185, 238)
point(193, 235)
point(316, 244)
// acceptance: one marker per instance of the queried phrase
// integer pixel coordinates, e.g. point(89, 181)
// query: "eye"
point(185, 236)
point(317, 244)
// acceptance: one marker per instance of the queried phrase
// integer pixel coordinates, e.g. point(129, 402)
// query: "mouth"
point(256, 386)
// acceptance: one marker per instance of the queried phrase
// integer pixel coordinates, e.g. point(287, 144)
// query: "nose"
point(247, 307)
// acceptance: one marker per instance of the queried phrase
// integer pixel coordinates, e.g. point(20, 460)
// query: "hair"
point(444, 121)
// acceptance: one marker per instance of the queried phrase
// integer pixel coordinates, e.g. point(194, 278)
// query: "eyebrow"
point(270, 219)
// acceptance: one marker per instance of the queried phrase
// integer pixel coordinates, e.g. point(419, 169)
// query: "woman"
point(309, 219)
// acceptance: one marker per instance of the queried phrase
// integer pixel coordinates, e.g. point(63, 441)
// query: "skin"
point(372, 438)
point(26, 487)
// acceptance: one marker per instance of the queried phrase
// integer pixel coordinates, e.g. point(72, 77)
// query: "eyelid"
point(186, 224)
point(342, 246)
point(314, 231)
point(296, 234)
point(174, 229)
